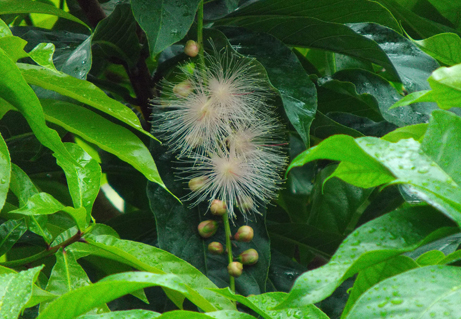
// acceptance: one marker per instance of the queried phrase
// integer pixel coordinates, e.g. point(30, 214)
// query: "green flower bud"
point(192, 48)
point(197, 183)
point(215, 248)
point(249, 257)
point(218, 207)
point(207, 228)
point(235, 269)
point(183, 89)
point(244, 234)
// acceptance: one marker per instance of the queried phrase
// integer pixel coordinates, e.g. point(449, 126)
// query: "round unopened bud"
point(244, 234)
point(235, 269)
point(249, 257)
point(207, 228)
point(245, 203)
point(215, 248)
point(183, 89)
point(197, 183)
point(192, 48)
point(218, 207)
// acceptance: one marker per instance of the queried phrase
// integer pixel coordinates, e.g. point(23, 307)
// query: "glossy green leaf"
point(105, 290)
point(444, 126)
point(317, 34)
point(15, 90)
point(103, 133)
point(116, 35)
point(79, 90)
point(415, 97)
point(83, 179)
point(428, 292)
point(432, 257)
point(345, 11)
point(29, 6)
point(165, 22)
point(5, 171)
point(38, 296)
point(415, 132)
point(10, 232)
point(4, 29)
point(42, 54)
point(45, 204)
point(16, 290)
point(148, 258)
point(68, 275)
point(377, 241)
point(263, 304)
point(323, 127)
point(14, 47)
point(127, 314)
point(375, 274)
point(224, 314)
point(446, 86)
point(369, 173)
point(404, 159)
point(445, 47)
point(285, 73)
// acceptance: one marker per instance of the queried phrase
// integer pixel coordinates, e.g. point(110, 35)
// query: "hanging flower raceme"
point(219, 123)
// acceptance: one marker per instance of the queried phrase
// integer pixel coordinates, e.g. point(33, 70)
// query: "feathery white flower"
point(219, 122)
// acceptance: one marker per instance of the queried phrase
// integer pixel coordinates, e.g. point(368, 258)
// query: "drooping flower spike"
point(219, 123)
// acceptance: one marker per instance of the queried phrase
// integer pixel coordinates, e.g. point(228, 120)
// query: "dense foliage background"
point(366, 226)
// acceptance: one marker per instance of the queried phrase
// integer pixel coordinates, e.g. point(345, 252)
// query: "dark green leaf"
point(450, 10)
point(285, 73)
point(116, 35)
point(431, 291)
point(165, 22)
point(375, 242)
point(323, 127)
point(314, 33)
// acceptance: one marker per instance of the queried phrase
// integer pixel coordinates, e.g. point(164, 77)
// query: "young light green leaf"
point(428, 292)
point(375, 274)
point(83, 179)
point(42, 54)
point(377, 241)
point(148, 258)
point(67, 275)
point(29, 6)
point(225, 314)
point(107, 289)
point(263, 304)
point(127, 314)
point(432, 257)
point(14, 47)
point(446, 86)
point(4, 29)
point(445, 47)
point(80, 90)
point(415, 132)
point(103, 133)
point(45, 204)
point(5, 171)
point(15, 291)
point(415, 97)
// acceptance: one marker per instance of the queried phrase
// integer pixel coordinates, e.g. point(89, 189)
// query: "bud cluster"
point(218, 121)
